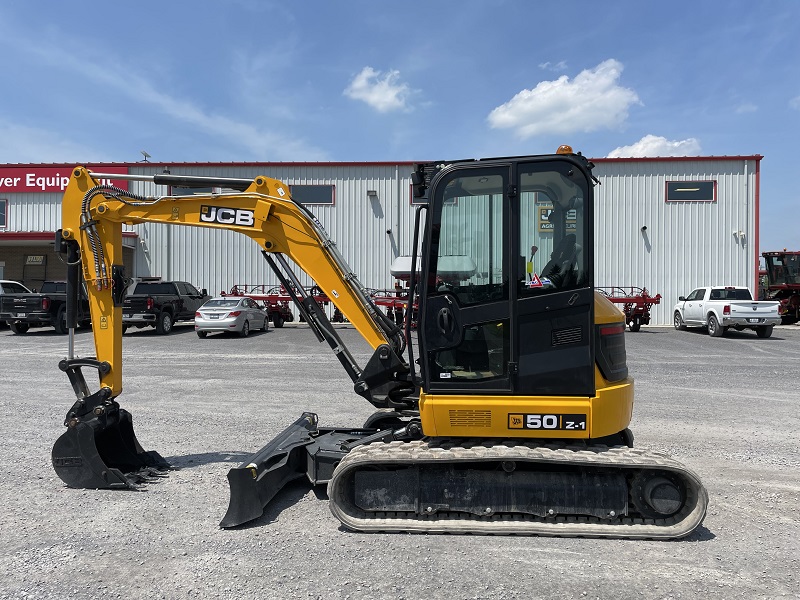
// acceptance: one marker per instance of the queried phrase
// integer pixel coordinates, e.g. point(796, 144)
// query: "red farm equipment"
point(783, 283)
point(274, 298)
point(277, 301)
point(635, 301)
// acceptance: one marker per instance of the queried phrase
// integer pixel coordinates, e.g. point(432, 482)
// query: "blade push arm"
point(92, 219)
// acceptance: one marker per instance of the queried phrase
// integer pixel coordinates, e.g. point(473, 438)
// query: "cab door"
point(465, 321)
point(507, 298)
point(553, 311)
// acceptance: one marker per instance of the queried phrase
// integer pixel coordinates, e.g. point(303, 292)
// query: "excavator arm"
point(92, 218)
point(99, 448)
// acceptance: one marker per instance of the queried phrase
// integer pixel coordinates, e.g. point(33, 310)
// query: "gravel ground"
point(725, 407)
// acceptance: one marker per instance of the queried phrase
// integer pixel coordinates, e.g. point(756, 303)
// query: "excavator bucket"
point(100, 450)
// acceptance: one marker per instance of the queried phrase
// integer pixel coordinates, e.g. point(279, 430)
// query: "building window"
point(313, 194)
point(415, 201)
point(182, 191)
point(691, 191)
point(3, 213)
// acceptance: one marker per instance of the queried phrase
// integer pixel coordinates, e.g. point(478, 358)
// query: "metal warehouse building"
point(664, 224)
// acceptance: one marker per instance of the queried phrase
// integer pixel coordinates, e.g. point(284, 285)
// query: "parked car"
point(722, 307)
point(160, 304)
point(11, 287)
point(25, 309)
point(226, 313)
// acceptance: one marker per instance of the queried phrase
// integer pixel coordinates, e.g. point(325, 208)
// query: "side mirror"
point(204, 292)
point(681, 299)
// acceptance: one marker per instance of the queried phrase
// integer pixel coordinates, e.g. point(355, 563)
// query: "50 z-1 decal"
point(552, 421)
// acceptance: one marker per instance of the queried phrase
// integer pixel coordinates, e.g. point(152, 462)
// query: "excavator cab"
point(513, 347)
point(491, 328)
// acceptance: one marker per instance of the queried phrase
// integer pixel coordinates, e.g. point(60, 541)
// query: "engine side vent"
point(470, 418)
point(571, 335)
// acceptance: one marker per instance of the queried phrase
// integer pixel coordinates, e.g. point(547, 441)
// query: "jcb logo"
point(227, 216)
point(515, 422)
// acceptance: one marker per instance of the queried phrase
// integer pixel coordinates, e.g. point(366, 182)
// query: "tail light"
point(726, 310)
point(197, 314)
point(235, 313)
point(610, 351)
point(45, 303)
point(150, 303)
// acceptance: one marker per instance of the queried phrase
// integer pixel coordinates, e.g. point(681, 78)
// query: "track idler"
point(99, 448)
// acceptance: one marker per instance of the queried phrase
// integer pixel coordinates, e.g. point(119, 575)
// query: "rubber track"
point(436, 451)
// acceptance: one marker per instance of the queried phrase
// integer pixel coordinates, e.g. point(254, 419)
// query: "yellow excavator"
point(513, 416)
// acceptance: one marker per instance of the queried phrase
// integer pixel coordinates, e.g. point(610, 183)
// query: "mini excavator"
point(512, 418)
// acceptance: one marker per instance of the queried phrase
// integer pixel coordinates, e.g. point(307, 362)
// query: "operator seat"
point(561, 261)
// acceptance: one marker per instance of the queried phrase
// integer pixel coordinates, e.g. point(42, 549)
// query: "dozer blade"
point(255, 482)
point(101, 451)
point(301, 450)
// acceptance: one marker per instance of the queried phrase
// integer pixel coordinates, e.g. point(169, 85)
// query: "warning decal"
point(535, 282)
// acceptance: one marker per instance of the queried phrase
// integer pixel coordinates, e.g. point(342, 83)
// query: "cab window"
point(552, 232)
point(470, 266)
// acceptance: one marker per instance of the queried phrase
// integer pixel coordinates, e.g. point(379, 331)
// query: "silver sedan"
point(236, 314)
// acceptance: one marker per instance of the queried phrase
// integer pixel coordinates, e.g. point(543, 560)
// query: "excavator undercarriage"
point(383, 480)
point(514, 487)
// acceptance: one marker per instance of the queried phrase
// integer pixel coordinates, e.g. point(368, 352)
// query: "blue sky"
point(313, 80)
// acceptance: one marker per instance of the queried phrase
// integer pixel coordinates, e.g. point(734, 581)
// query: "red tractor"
point(782, 283)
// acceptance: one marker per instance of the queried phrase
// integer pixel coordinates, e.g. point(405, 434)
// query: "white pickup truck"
point(719, 307)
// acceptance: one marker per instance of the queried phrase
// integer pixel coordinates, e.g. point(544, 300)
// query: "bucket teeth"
point(103, 452)
point(145, 476)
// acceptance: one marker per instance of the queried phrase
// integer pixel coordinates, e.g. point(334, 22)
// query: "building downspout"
point(756, 235)
point(398, 215)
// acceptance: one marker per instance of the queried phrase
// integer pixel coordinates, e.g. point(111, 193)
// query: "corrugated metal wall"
point(33, 212)
point(369, 231)
point(684, 246)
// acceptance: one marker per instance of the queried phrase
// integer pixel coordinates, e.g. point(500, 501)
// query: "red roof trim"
point(161, 165)
point(72, 164)
point(756, 157)
point(38, 236)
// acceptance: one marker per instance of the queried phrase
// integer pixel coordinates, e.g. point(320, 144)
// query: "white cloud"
point(747, 107)
point(68, 55)
point(652, 145)
point(548, 66)
point(593, 100)
point(795, 102)
point(384, 93)
point(23, 144)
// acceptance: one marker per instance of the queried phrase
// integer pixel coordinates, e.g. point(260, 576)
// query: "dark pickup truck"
point(44, 308)
point(160, 304)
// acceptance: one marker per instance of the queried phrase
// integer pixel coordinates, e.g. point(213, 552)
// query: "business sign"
point(545, 226)
point(41, 180)
point(37, 260)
